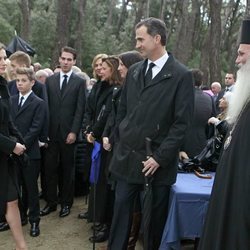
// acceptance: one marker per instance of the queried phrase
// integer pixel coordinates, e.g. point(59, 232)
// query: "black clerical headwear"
point(245, 32)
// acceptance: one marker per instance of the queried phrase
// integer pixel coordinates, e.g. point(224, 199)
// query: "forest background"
point(201, 33)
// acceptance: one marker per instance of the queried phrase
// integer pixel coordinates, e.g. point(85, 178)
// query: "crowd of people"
point(50, 119)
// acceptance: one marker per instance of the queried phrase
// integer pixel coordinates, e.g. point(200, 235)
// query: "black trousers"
point(42, 172)
point(124, 206)
point(59, 163)
point(29, 191)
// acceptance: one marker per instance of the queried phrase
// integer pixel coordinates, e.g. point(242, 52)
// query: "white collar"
point(62, 74)
point(25, 96)
point(160, 62)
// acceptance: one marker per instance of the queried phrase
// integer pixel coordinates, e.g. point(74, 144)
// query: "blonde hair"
point(96, 58)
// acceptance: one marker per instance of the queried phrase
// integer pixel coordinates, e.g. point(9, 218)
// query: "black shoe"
point(4, 226)
point(101, 236)
point(47, 210)
point(83, 215)
point(34, 230)
point(97, 227)
point(64, 211)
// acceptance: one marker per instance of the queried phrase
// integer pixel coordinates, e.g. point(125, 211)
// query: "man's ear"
point(157, 38)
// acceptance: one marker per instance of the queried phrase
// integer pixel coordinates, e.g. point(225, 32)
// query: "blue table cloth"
point(188, 205)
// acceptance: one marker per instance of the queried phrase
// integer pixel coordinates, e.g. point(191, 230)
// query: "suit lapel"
point(57, 85)
point(26, 104)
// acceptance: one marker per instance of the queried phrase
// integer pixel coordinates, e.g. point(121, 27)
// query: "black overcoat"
point(7, 144)
point(161, 111)
point(98, 108)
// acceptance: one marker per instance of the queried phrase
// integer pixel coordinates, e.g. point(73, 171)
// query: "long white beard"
point(241, 93)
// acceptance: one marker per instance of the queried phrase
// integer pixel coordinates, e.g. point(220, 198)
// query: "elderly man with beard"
point(228, 219)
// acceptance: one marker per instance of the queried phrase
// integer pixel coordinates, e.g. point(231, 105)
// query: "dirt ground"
point(69, 233)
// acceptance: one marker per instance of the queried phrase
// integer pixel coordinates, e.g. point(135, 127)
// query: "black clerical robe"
point(227, 225)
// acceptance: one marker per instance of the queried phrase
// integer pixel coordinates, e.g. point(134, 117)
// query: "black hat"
point(245, 32)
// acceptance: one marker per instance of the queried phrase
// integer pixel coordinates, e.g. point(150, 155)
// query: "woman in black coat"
point(96, 122)
point(8, 146)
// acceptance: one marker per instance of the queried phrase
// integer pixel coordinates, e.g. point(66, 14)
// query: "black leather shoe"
point(97, 227)
point(83, 215)
point(34, 230)
point(64, 211)
point(47, 210)
point(101, 236)
point(4, 226)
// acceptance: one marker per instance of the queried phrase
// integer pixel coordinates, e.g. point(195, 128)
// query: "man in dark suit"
point(66, 100)
point(28, 113)
point(196, 136)
point(156, 102)
point(229, 86)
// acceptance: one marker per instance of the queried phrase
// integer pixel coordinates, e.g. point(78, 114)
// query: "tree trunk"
point(24, 6)
point(215, 40)
point(139, 9)
point(80, 30)
point(247, 14)
point(162, 9)
point(147, 8)
point(111, 12)
point(204, 61)
point(186, 31)
point(122, 17)
point(62, 36)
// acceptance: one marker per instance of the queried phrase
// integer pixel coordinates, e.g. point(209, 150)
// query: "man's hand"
point(71, 138)
point(183, 156)
point(19, 149)
point(213, 120)
point(90, 138)
point(150, 166)
point(106, 144)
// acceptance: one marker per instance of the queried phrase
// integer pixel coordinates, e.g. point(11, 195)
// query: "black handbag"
point(209, 156)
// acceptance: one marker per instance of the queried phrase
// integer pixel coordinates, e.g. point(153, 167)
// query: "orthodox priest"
point(227, 224)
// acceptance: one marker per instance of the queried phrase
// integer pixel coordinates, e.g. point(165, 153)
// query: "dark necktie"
point(64, 84)
point(148, 76)
point(20, 103)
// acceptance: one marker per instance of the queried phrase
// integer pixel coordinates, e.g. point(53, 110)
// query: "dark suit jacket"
point(29, 121)
point(66, 111)
point(196, 136)
point(161, 111)
point(39, 90)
